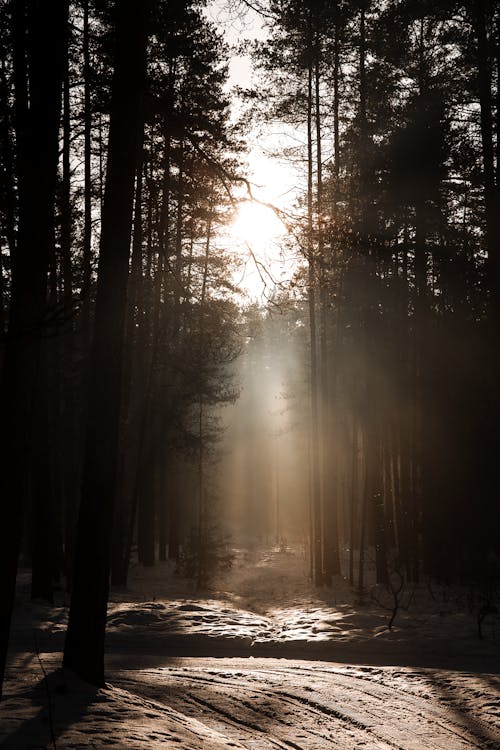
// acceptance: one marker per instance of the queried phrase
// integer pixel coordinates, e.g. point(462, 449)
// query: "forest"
point(160, 412)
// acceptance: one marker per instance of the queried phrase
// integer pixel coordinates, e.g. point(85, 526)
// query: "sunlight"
point(255, 233)
point(256, 225)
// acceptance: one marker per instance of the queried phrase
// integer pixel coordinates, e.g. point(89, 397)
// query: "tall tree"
point(39, 40)
point(84, 646)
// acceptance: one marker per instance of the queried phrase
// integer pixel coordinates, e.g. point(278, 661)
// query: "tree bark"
point(311, 292)
point(491, 191)
point(37, 129)
point(84, 646)
point(329, 458)
point(7, 178)
point(87, 195)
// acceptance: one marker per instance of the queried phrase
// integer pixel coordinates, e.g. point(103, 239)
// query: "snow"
point(83, 716)
point(262, 660)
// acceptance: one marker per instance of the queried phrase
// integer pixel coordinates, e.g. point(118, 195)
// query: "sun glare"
point(256, 225)
point(256, 234)
point(256, 231)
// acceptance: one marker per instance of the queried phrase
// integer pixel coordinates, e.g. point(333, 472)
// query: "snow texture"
point(261, 661)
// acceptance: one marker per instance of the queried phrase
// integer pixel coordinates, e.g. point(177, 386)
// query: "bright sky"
point(256, 232)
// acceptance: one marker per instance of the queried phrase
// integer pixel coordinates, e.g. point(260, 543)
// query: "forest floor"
point(261, 660)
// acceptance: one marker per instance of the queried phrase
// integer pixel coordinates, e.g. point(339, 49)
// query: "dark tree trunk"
point(353, 499)
point(37, 157)
point(42, 487)
point(329, 463)
point(497, 61)
point(173, 522)
point(363, 524)
point(84, 647)
point(66, 219)
point(491, 191)
point(161, 499)
point(336, 113)
point(374, 480)
point(87, 146)
point(146, 518)
point(7, 177)
point(317, 557)
point(133, 375)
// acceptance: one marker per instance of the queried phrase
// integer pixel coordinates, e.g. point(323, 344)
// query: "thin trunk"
point(315, 479)
point(491, 191)
point(329, 456)
point(162, 494)
point(363, 520)
point(87, 176)
point(201, 521)
point(101, 166)
point(497, 61)
point(146, 517)
point(353, 501)
point(132, 372)
point(66, 199)
point(3, 305)
point(375, 491)
point(421, 325)
point(150, 425)
point(336, 113)
point(66, 441)
point(20, 75)
point(42, 488)
point(8, 191)
point(173, 517)
point(146, 378)
point(202, 511)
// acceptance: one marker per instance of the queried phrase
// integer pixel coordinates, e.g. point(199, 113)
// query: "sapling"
point(397, 588)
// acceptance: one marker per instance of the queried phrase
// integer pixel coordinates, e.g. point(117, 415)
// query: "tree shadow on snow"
point(414, 653)
point(454, 697)
point(62, 700)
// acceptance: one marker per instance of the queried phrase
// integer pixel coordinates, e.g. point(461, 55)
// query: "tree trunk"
point(329, 458)
point(354, 498)
point(37, 158)
point(43, 490)
point(87, 194)
point(363, 519)
point(133, 382)
point(375, 492)
point(84, 646)
point(491, 191)
point(161, 497)
point(311, 292)
point(7, 178)
point(66, 219)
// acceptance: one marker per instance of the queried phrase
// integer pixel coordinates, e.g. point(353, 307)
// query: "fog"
point(264, 467)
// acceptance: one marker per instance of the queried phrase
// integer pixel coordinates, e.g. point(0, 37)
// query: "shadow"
point(60, 701)
point(252, 712)
point(457, 699)
point(251, 706)
point(128, 653)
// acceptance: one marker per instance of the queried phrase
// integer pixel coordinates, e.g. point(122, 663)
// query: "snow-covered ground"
point(262, 660)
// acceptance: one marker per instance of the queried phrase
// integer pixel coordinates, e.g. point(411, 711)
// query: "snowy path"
point(256, 704)
point(269, 703)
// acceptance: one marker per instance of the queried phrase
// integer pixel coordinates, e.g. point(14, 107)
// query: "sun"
point(256, 225)
point(255, 234)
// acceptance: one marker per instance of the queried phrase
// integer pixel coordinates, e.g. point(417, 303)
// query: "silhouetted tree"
point(84, 646)
point(38, 46)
